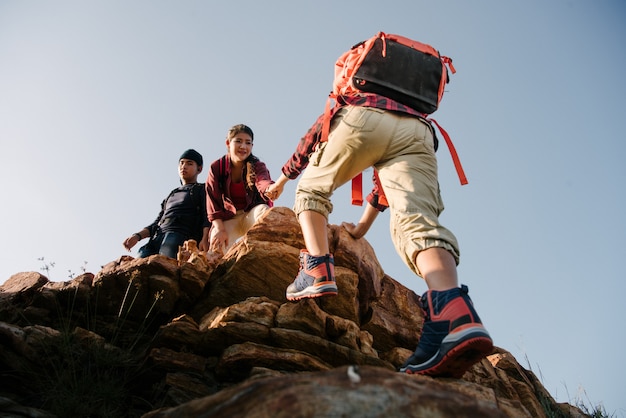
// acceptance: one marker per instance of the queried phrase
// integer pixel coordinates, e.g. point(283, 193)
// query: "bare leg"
point(438, 268)
point(314, 230)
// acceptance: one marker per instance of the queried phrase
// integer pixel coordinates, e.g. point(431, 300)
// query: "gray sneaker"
point(315, 278)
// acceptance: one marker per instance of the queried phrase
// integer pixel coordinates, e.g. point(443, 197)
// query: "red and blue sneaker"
point(453, 338)
point(316, 277)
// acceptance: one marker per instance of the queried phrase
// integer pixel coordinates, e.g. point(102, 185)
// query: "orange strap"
point(455, 156)
point(357, 181)
point(357, 190)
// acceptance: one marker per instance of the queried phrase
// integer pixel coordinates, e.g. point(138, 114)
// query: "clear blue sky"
point(98, 99)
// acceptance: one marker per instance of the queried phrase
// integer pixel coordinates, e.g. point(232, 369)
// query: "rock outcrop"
point(215, 337)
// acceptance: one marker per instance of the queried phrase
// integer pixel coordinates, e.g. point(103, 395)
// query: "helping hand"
point(274, 191)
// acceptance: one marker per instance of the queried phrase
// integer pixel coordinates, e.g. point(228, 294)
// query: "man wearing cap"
point(183, 214)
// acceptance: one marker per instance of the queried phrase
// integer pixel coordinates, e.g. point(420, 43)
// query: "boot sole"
point(475, 345)
point(315, 291)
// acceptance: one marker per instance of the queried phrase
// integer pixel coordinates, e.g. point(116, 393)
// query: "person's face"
point(239, 147)
point(188, 170)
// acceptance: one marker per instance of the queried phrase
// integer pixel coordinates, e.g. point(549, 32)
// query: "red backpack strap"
point(448, 61)
point(455, 156)
point(357, 190)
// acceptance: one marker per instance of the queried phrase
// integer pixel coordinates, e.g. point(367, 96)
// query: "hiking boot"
point(315, 278)
point(453, 338)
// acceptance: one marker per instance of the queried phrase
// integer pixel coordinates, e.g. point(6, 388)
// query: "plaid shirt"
point(300, 158)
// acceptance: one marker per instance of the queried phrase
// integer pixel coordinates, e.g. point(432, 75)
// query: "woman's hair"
point(237, 129)
point(251, 174)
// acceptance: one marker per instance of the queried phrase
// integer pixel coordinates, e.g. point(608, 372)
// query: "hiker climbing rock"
point(367, 128)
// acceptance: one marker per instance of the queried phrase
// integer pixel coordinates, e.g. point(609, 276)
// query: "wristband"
point(138, 235)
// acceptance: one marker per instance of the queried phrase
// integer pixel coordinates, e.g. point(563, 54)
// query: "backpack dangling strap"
point(357, 190)
point(448, 61)
point(455, 156)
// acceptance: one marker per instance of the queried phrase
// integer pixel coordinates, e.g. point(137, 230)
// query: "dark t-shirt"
point(183, 211)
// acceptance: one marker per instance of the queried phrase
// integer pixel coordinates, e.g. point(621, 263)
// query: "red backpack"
point(404, 70)
point(407, 71)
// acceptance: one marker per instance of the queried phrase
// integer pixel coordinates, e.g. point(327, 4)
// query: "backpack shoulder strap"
point(357, 181)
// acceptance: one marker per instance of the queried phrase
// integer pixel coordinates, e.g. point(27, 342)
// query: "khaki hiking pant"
point(401, 148)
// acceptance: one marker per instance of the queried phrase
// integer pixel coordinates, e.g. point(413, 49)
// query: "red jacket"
point(219, 203)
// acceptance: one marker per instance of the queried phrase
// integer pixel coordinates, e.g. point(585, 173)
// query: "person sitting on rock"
point(235, 190)
point(183, 214)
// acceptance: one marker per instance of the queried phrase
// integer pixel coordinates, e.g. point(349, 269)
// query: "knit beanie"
point(193, 155)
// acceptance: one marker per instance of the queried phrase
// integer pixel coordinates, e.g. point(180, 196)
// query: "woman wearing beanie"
point(235, 190)
point(183, 214)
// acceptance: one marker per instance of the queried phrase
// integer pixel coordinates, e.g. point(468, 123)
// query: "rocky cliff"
point(198, 337)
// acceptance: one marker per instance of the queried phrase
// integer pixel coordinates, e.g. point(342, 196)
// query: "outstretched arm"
point(275, 190)
point(299, 159)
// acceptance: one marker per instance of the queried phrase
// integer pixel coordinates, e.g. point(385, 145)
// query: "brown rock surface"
point(207, 337)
